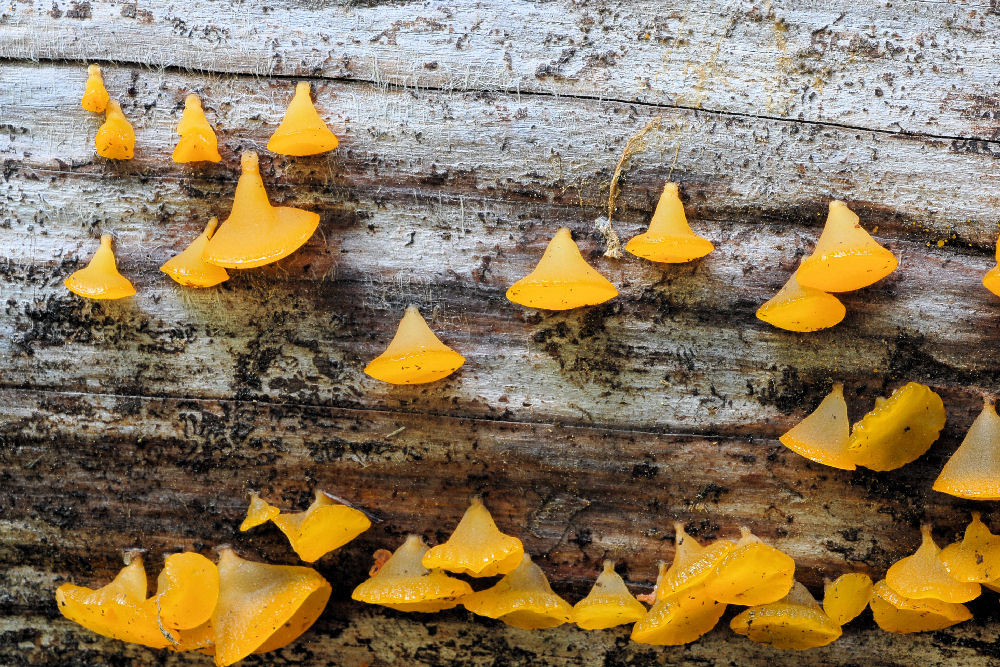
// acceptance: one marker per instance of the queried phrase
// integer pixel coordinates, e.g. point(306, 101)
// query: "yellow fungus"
point(256, 233)
point(198, 141)
point(100, 278)
point(692, 564)
point(119, 610)
point(801, 309)
point(669, 237)
point(921, 575)
point(752, 573)
point(846, 257)
point(522, 599)
point(115, 139)
point(823, 435)
point(898, 430)
point(794, 622)
point(973, 471)
point(302, 132)
point(404, 584)
point(415, 355)
point(186, 591)
point(896, 613)
point(190, 269)
point(562, 279)
point(95, 95)
point(263, 607)
point(324, 527)
point(258, 512)
point(846, 597)
point(678, 617)
point(609, 603)
point(991, 280)
point(476, 547)
point(976, 558)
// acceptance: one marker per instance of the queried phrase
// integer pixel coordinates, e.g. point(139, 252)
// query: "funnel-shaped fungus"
point(198, 141)
point(476, 547)
point(256, 233)
point(846, 597)
point(899, 429)
point(823, 435)
point(186, 591)
point(846, 257)
point(263, 607)
point(189, 267)
point(678, 617)
point(973, 471)
point(302, 132)
point(921, 575)
point(801, 309)
point(415, 355)
point(609, 603)
point(795, 622)
point(324, 527)
point(258, 512)
point(119, 610)
point(669, 237)
point(991, 280)
point(562, 279)
point(522, 599)
point(100, 278)
point(692, 564)
point(976, 559)
point(95, 95)
point(404, 584)
point(896, 613)
point(115, 139)
point(753, 573)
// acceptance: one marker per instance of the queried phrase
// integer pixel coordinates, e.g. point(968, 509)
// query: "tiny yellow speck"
point(875, 370)
point(928, 244)
point(875, 230)
point(941, 243)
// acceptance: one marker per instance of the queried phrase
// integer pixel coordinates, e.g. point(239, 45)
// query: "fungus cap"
point(186, 591)
point(404, 584)
point(678, 618)
point(302, 132)
point(976, 559)
point(801, 309)
point(692, 564)
point(115, 139)
point(752, 573)
point(522, 599)
point(119, 610)
point(95, 95)
point(198, 142)
point(973, 471)
point(846, 597)
point(921, 575)
point(991, 280)
point(257, 233)
point(189, 268)
point(899, 429)
point(562, 279)
point(476, 547)
point(609, 603)
point(263, 607)
point(323, 527)
point(259, 512)
point(100, 279)
point(415, 355)
point(669, 238)
point(795, 622)
point(823, 435)
point(896, 613)
point(846, 257)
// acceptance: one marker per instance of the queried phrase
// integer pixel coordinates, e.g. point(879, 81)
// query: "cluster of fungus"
point(846, 258)
point(230, 609)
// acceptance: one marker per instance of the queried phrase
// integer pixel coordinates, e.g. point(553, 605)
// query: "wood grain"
point(469, 134)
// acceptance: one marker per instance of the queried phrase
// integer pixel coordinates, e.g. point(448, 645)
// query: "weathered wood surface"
point(144, 423)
